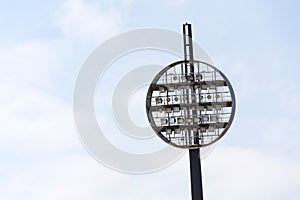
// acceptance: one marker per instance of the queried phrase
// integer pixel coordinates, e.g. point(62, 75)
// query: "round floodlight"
point(193, 110)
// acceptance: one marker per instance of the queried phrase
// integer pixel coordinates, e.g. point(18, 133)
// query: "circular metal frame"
point(189, 128)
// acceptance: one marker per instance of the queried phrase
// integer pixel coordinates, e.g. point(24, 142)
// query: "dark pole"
point(195, 162)
point(196, 177)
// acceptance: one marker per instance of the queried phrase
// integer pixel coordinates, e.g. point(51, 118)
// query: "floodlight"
point(199, 105)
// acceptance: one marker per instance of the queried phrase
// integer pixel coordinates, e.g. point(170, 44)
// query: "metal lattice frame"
point(190, 109)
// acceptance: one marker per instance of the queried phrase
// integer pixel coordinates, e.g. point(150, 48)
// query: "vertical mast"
point(195, 162)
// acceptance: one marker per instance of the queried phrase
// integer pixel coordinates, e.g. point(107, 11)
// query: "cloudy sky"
point(43, 45)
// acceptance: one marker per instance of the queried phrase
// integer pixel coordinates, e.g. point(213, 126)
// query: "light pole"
point(190, 104)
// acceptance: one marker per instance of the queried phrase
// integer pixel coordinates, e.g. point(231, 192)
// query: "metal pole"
point(196, 177)
point(195, 162)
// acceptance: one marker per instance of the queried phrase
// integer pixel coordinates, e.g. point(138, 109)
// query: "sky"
point(43, 45)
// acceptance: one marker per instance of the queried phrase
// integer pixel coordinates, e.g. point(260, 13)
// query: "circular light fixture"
point(190, 121)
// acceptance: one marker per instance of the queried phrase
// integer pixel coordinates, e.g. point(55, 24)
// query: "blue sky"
point(43, 45)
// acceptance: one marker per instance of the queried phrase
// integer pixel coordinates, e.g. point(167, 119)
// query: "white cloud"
point(28, 63)
point(236, 173)
point(71, 177)
point(80, 177)
point(229, 173)
point(78, 19)
point(34, 119)
point(35, 122)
